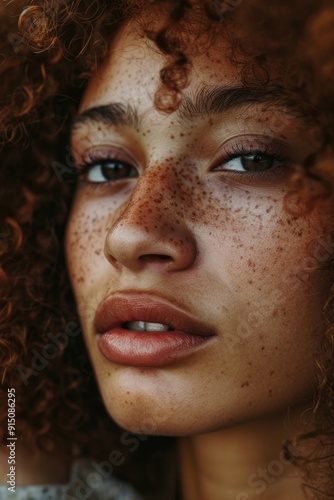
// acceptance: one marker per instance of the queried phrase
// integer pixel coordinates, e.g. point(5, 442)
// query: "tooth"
point(156, 327)
point(142, 326)
point(136, 325)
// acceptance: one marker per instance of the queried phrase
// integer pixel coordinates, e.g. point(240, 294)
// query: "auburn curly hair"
point(48, 51)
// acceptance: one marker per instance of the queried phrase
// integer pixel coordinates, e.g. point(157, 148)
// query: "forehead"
point(123, 91)
point(132, 69)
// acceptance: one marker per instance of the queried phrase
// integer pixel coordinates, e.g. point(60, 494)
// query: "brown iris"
point(116, 170)
point(257, 162)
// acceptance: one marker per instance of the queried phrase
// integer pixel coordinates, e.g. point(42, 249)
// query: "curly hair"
point(48, 52)
point(36, 301)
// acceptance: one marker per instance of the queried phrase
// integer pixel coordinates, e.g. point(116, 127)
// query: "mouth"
point(140, 329)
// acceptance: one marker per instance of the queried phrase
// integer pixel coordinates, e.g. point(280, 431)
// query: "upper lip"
point(121, 308)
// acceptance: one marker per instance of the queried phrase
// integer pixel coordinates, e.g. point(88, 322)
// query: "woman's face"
point(200, 308)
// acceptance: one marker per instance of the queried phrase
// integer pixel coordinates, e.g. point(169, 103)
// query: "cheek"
point(85, 237)
point(274, 266)
point(257, 231)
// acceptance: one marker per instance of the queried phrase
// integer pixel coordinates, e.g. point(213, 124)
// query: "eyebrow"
point(216, 100)
point(206, 101)
point(114, 113)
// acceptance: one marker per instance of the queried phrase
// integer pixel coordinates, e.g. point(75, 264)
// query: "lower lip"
point(128, 347)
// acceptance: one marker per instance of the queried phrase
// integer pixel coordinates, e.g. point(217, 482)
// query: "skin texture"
point(237, 261)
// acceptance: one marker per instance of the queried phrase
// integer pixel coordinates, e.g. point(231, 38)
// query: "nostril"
point(155, 258)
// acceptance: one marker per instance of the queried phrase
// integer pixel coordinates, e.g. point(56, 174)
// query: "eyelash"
point(238, 151)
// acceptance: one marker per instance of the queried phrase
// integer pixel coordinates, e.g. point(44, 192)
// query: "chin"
point(139, 418)
point(138, 421)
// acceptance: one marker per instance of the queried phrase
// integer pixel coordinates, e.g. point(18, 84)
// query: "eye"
point(252, 162)
point(108, 171)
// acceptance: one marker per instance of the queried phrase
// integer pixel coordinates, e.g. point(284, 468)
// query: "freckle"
point(262, 348)
point(272, 373)
point(245, 384)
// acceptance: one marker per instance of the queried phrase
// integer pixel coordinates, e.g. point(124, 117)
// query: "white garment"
point(85, 484)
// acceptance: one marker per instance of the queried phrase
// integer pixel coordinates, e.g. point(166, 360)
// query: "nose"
point(152, 230)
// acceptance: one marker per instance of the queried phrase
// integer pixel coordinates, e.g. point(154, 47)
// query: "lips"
point(121, 342)
point(120, 309)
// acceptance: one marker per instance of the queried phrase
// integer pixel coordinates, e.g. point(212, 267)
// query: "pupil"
point(257, 162)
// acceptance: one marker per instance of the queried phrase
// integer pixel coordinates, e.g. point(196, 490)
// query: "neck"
point(242, 463)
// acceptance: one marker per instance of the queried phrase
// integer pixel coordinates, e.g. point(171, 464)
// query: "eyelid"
point(103, 153)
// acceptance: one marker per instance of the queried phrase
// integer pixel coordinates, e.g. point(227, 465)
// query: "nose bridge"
point(150, 227)
point(151, 199)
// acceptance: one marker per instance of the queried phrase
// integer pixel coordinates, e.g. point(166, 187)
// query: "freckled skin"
point(232, 245)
